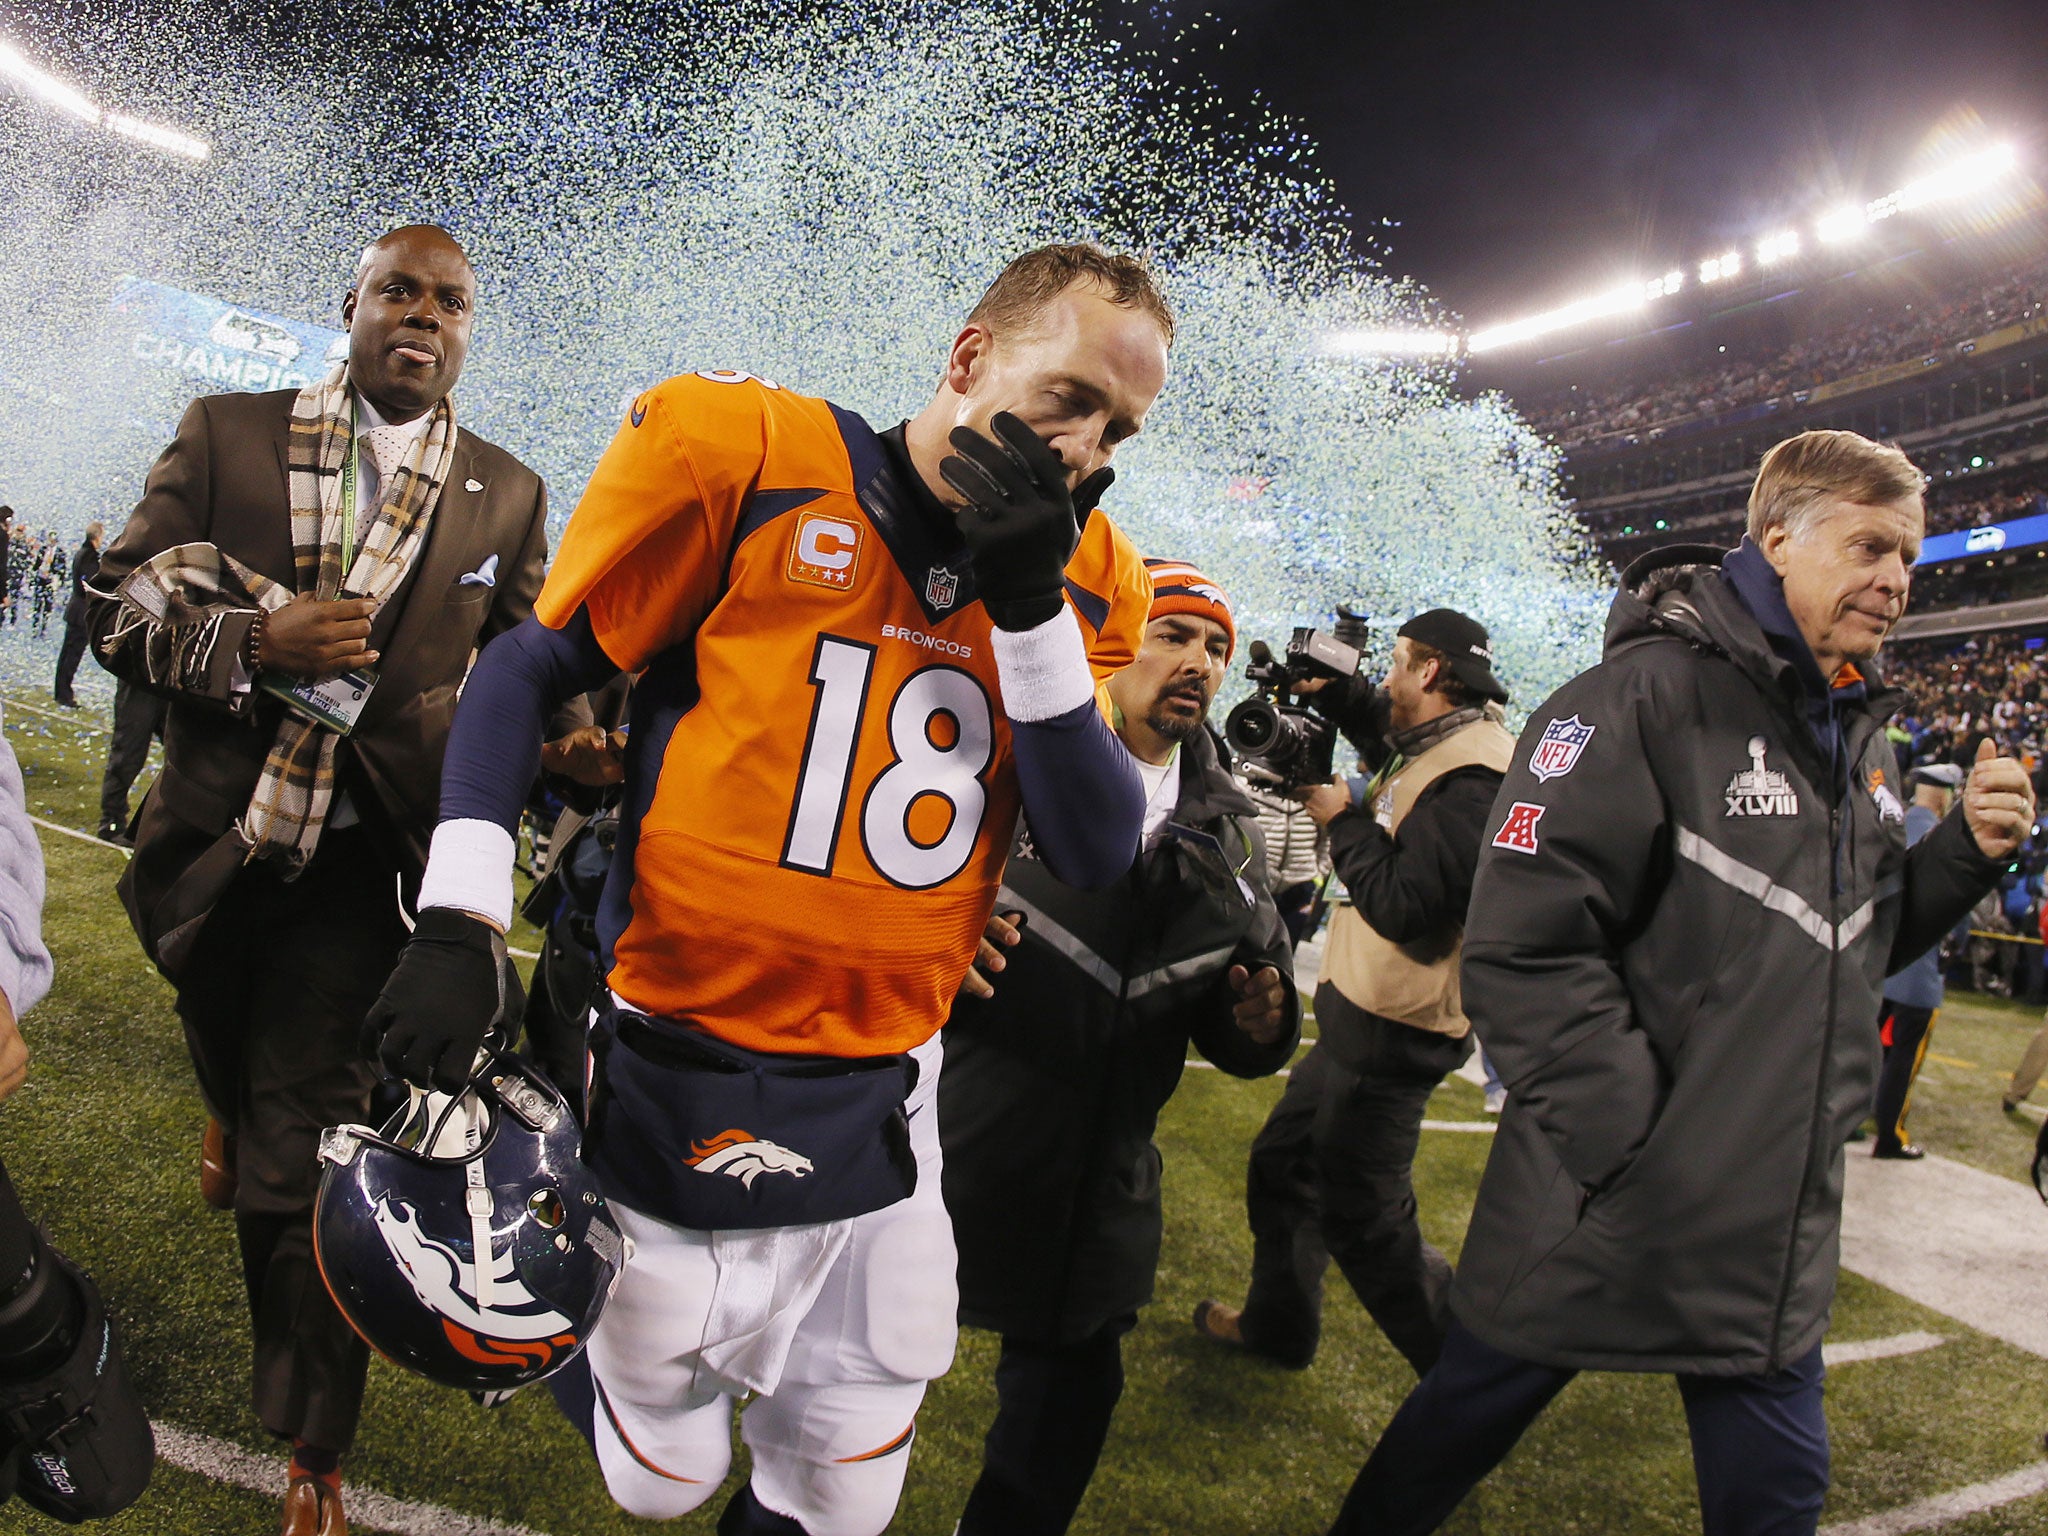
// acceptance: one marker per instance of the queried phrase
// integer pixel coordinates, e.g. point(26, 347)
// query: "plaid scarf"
point(190, 588)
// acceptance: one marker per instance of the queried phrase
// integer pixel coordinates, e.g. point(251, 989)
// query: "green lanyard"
point(1393, 765)
point(348, 498)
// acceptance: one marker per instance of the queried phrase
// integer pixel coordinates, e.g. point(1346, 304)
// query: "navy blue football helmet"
point(404, 1214)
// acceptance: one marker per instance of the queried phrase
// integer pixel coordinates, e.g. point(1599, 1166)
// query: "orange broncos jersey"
point(819, 794)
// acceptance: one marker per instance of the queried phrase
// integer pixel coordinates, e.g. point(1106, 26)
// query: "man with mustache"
point(1066, 1044)
point(347, 530)
point(1677, 944)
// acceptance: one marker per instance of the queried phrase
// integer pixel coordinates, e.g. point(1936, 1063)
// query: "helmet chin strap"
point(465, 1118)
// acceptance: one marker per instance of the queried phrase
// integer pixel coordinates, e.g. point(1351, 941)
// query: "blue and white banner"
point(221, 344)
point(2015, 533)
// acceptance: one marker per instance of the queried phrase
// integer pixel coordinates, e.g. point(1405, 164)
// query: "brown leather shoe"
point(217, 1179)
point(311, 1508)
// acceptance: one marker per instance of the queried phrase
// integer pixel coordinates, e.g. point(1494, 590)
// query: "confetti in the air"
point(814, 193)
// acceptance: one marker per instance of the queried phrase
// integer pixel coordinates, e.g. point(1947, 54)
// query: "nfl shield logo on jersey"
point(941, 588)
point(1558, 748)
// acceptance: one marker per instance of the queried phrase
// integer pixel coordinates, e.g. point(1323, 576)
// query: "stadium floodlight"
point(1390, 344)
point(158, 135)
point(1661, 287)
point(1714, 269)
point(1773, 249)
point(1959, 178)
point(1839, 224)
point(46, 87)
point(1616, 301)
point(72, 102)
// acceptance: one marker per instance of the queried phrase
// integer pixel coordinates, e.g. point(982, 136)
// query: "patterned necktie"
point(388, 446)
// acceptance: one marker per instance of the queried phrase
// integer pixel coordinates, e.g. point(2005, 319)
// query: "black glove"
point(1021, 523)
point(448, 990)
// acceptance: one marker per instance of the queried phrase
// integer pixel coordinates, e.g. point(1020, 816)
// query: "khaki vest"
point(1383, 977)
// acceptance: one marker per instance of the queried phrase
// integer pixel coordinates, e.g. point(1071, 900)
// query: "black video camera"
point(1281, 743)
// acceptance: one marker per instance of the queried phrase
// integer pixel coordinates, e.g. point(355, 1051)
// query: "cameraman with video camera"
point(1330, 1173)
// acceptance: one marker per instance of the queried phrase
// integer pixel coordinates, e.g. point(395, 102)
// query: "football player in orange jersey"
point(860, 655)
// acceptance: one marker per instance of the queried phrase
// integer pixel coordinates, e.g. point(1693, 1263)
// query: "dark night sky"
point(1531, 152)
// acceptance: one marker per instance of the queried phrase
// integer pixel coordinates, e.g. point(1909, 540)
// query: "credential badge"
point(1558, 748)
point(1760, 791)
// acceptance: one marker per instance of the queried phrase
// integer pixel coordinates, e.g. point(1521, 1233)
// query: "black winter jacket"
point(1051, 1089)
point(1675, 954)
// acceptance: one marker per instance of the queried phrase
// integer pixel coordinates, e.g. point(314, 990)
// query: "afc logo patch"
point(825, 551)
point(1558, 748)
point(1518, 832)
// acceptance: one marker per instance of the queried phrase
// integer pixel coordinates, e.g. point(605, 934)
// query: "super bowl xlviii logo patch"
point(744, 1156)
point(941, 589)
point(1558, 748)
point(1761, 791)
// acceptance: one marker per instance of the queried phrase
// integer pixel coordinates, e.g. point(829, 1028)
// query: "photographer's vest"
point(1391, 979)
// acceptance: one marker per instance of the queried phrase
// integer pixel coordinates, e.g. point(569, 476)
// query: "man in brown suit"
point(277, 952)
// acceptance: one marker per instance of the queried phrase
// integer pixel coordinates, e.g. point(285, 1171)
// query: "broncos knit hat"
point(1178, 587)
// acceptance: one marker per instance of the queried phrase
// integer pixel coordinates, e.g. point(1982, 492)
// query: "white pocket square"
point(485, 575)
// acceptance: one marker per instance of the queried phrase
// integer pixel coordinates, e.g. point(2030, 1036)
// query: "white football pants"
point(830, 1445)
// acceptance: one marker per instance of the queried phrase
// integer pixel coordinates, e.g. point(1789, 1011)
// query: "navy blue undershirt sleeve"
point(521, 678)
point(1083, 799)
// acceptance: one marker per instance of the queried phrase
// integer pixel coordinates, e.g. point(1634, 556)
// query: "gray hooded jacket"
point(1677, 945)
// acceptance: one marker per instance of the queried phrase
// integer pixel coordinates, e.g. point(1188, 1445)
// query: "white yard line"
point(117, 848)
point(1850, 1352)
point(1947, 1508)
point(83, 837)
point(1965, 1243)
point(68, 716)
point(1479, 1127)
point(368, 1510)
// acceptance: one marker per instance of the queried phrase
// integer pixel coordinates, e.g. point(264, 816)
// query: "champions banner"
point(218, 343)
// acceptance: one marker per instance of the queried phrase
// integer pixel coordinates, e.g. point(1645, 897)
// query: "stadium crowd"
point(1963, 506)
point(1961, 693)
point(1876, 335)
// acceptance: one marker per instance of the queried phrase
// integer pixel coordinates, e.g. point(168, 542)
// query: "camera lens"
point(1252, 726)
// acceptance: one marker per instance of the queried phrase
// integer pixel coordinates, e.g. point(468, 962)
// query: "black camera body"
point(1281, 743)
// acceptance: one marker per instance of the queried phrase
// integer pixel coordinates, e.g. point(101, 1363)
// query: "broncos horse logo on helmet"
point(466, 1240)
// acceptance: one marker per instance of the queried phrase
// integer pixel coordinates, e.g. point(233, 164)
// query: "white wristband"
point(1044, 670)
point(469, 865)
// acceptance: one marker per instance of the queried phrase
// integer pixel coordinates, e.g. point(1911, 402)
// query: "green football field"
point(103, 1142)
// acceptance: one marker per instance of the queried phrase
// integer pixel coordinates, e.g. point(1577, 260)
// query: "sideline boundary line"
point(1855, 1350)
point(223, 1461)
point(87, 837)
point(1474, 1127)
point(1947, 1508)
point(83, 837)
point(70, 718)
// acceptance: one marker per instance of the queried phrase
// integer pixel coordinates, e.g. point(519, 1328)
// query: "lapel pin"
point(472, 485)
